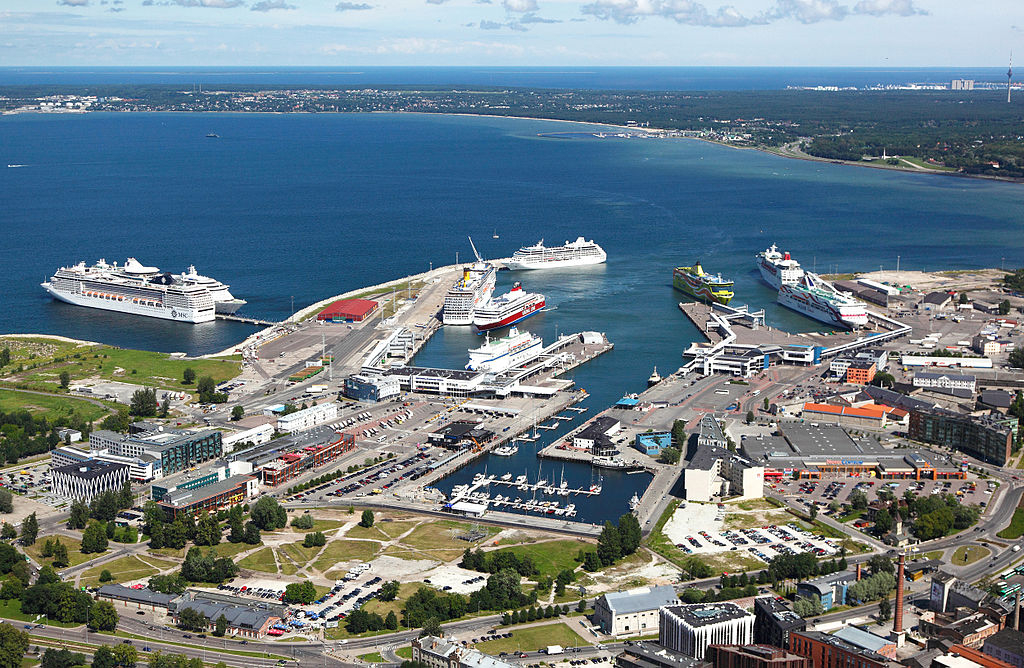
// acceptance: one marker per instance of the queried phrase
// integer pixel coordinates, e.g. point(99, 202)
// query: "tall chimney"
point(1016, 613)
point(858, 572)
point(897, 624)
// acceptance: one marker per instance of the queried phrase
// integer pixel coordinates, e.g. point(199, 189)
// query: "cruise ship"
point(507, 309)
point(470, 292)
point(571, 254)
point(499, 355)
point(223, 300)
point(703, 286)
point(819, 299)
point(133, 288)
point(778, 269)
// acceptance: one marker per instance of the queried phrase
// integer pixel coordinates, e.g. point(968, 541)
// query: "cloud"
point(533, 18)
point(267, 5)
point(520, 6)
point(214, 4)
point(691, 12)
point(491, 25)
point(73, 3)
point(436, 2)
point(352, 7)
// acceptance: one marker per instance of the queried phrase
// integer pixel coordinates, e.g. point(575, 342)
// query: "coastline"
point(55, 337)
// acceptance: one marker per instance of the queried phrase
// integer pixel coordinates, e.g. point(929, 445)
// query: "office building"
point(633, 612)
point(712, 472)
point(141, 469)
point(829, 590)
point(224, 494)
point(291, 464)
point(983, 438)
point(774, 621)
point(172, 450)
point(960, 385)
point(711, 433)
point(652, 443)
point(372, 389)
point(689, 629)
point(83, 482)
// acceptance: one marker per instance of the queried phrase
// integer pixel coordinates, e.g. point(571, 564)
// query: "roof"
point(936, 298)
point(90, 470)
point(599, 427)
point(827, 441)
point(845, 411)
point(710, 428)
point(144, 595)
point(861, 638)
point(996, 398)
point(641, 599)
point(186, 497)
point(841, 644)
point(931, 375)
point(783, 617)
point(1008, 640)
point(348, 308)
point(706, 614)
point(236, 616)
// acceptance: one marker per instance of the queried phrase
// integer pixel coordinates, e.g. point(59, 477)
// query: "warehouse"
point(348, 310)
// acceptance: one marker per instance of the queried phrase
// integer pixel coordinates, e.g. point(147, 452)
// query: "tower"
point(1009, 78)
point(897, 623)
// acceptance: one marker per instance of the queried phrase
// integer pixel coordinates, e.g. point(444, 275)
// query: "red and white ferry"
point(507, 309)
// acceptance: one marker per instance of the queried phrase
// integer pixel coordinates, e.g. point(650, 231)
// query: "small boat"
point(213, 135)
point(495, 235)
point(634, 502)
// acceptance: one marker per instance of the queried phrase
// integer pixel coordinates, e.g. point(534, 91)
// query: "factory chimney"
point(1016, 613)
point(858, 573)
point(1009, 78)
point(897, 623)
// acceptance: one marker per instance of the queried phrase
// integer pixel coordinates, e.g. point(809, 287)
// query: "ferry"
point(470, 292)
point(507, 309)
point(571, 254)
point(778, 269)
point(499, 355)
point(817, 298)
point(135, 289)
point(703, 286)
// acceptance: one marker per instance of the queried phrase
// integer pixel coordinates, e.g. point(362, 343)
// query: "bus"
point(1008, 589)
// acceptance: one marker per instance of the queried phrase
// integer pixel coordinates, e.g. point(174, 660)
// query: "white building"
point(945, 381)
point(633, 612)
point(689, 629)
point(143, 468)
point(256, 436)
point(69, 435)
point(713, 472)
point(308, 417)
point(86, 481)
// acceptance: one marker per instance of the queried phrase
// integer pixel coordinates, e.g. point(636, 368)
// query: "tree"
point(1017, 357)
point(144, 403)
point(6, 501)
point(679, 433)
point(65, 380)
point(807, 607)
point(391, 621)
point(126, 655)
point(885, 609)
point(103, 616)
point(79, 515)
point(206, 388)
point(105, 576)
point(94, 538)
point(237, 413)
point(165, 407)
point(883, 379)
point(103, 657)
point(812, 511)
point(883, 522)
point(388, 591)
point(609, 545)
point(188, 376)
point(581, 606)
point(858, 500)
point(431, 627)
point(366, 520)
point(13, 646)
point(300, 592)
point(1004, 307)
point(750, 417)
point(192, 620)
point(104, 506)
point(5, 357)
point(268, 514)
point(208, 531)
point(669, 455)
point(251, 535)
point(302, 522)
point(125, 497)
point(8, 532)
point(315, 539)
point(766, 404)
point(61, 658)
point(29, 529)
point(591, 562)
point(630, 533)
point(60, 555)
point(879, 563)
point(220, 627)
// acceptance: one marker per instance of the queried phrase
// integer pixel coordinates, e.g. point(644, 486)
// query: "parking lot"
point(823, 492)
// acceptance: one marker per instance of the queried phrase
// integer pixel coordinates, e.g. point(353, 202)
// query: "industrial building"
point(139, 599)
point(755, 656)
point(249, 621)
point(348, 310)
point(774, 621)
point(307, 418)
point(691, 628)
point(949, 593)
point(846, 416)
point(828, 650)
point(1006, 645)
point(372, 389)
point(983, 438)
point(867, 641)
point(86, 481)
point(632, 612)
point(829, 590)
point(291, 464)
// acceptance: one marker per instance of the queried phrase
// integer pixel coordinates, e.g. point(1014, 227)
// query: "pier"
point(249, 321)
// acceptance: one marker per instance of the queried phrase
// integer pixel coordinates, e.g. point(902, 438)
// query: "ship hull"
point(229, 307)
point(461, 303)
point(129, 307)
point(511, 318)
point(700, 291)
point(769, 274)
point(504, 362)
point(822, 310)
point(519, 265)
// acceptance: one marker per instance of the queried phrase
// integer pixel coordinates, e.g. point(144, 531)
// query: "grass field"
point(1016, 527)
point(125, 569)
point(51, 407)
point(754, 520)
point(373, 533)
point(372, 657)
point(550, 557)
point(404, 652)
point(322, 525)
point(73, 544)
point(382, 608)
point(262, 560)
point(340, 551)
point(438, 539)
point(226, 549)
point(968, 554)
point(394, 529)
point(534, 637)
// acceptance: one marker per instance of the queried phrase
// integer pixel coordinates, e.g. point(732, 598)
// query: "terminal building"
point(86, 481)
point(689, 629)
point(633, 612)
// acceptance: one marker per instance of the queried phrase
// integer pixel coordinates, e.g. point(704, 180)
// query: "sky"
point(855, 33)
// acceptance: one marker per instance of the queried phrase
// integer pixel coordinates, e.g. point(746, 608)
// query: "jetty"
point(249, 321)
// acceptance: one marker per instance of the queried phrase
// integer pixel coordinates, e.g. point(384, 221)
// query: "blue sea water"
point(598, 78)
point(300, 207)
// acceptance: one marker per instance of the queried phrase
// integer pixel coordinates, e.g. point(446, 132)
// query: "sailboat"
point(495, 235)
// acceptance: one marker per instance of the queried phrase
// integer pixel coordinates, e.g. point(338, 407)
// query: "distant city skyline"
point(867, 33)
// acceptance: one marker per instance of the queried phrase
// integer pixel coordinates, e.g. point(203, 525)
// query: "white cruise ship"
point(778, 269)
point(471, 291)
point(132, 288)
point(223, 300)
point(819, 299)
point(572, 254)
point(499, 355)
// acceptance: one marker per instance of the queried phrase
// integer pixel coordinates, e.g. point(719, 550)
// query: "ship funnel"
point(465, 274)
point(786, 257)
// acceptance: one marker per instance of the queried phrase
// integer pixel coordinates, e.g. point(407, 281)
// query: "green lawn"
point(382, 608)
point(968, 554)
point(1016, 527)
point(75, 557)
point(852, 515)
point(51, 407)
point(125, 569)
point(438, 539)
point(159, 369)
point(404, 652)
point(551, 556)
point(373, 533)
point(372, 657)
point(345, 550)
point(532, 638)
point(262, 560)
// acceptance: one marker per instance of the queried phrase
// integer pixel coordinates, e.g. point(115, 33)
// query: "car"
point(126, 642)
point(186, 635)
point(140, 612)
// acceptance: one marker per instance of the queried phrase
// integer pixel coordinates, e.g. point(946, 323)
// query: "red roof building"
point(348, 310)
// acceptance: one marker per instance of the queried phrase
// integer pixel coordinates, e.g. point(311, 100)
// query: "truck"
point(553, 650)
